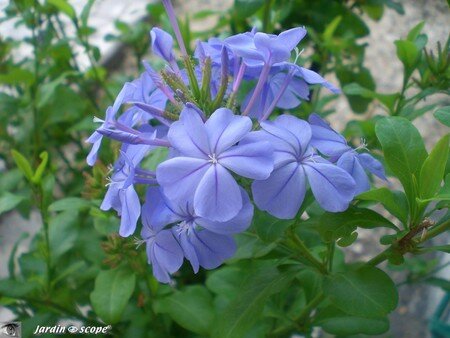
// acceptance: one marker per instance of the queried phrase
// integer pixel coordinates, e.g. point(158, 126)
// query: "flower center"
point(213, 159)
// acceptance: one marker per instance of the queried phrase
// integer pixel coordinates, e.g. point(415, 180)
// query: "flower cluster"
point(198, 197)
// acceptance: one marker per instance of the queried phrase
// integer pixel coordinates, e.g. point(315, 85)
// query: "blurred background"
point(63, 62)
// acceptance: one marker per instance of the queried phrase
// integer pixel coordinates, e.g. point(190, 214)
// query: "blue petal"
point(237, 224)
point(348, 161)
point(188, 135)
point(180, 176)
point(373, 165)
point(283, 192)
point(131, 209)
point(225, 129)
point(332, 186)
point(253, 160)
point(217, 197)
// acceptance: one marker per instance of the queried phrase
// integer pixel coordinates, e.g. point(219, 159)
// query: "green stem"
point(330, 257)
point(266, 18)
point(192, 78)
point(306, 253)
point(306, 312)
point(381, 257)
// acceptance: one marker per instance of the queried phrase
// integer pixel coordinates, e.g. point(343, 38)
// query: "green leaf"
point(404, 151)
point(64, 7)
point(415, 31)
point(363, 77)
point(247, 307)
point(40, 169)
point(394, 202)
point(387, 99)
point(70, 203)
point(16, 289)
point(9, 201)
point(269, 228)
point(365, 292)
point(250, 246)
point(112, 291)
point(443, 115)
point(433, 168)
point(191, 308)
point(62, 233)
point(331, 28)
point(245, 8)
point(333, 226)
point(337, 322)
point(408, 54)
point(23, 164)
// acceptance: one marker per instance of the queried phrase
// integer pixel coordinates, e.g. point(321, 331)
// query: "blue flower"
point(296, 163)
point(204, 242)
point(208, 150)
point(332, 144)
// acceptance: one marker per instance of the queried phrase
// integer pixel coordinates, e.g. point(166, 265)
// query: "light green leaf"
point(433, 168)
point(9, 201)
point(40, 169)
point(70, 203)
point(365, 292)
point(395, 203)
point(443, 115)
point(113, 289)
point(415, 31)
point(23, 164)
point(64, 7)
point(408, 54)
point(191, 308)
point(403, 149)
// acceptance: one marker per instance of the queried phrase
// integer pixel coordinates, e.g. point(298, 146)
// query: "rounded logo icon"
point(72, 329)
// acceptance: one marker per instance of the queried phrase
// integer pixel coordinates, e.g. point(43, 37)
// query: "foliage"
point(287, 276)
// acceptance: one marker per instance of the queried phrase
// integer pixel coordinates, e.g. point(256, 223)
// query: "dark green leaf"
point(269, 228)
point(16, 289)
point(240, 315)
point(337, 322)
point(365, 292)
point(356, 89)
point(333, 226)
point(191, 308)
point(394, 202)
point(403, 149)
point(112, 291)
point(62, 233)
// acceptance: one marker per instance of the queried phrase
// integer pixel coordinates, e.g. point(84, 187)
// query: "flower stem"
point(437, 230)
point(259, 86)
point(176, 28)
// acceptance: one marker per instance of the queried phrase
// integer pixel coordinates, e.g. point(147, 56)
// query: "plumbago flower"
point(197, 199)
